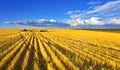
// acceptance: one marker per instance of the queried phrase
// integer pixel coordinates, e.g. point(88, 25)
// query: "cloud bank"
point(40, 23)
point(91, 21)
point(105, 15)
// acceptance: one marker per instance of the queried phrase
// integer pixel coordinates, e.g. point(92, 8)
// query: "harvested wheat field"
point(59, 49)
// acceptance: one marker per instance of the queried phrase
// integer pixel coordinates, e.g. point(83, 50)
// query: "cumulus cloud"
point(98, 15)
point(52, 20)
point(45, 20)
point(40, 23)
point(94, 21)
point(114, 21)
point(91, 21)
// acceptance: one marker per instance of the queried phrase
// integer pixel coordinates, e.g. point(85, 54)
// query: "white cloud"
point(105, 14)
point(45, 20)
point(75, 22)
point(94, 2)
point(107, 10)
point(76, 15)
point(95, 21)
point(39, 23)
point(114, 21)
point(91, 21)
point(25, 22)
point(6, 22)
point(109, 6)
point(72, 12)
point(40, 20)
point(52, 20)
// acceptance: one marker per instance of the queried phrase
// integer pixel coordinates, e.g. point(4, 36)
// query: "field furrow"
point(9, 57)
point(64, 49)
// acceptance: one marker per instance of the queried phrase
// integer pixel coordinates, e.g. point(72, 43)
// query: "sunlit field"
point(59, 49)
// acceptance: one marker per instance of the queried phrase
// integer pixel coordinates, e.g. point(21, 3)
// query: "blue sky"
point(59, 13)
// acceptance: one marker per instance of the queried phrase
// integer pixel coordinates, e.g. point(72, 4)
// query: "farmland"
point(59, 49)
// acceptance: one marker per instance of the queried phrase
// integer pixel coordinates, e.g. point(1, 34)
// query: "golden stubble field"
point(59, 49)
